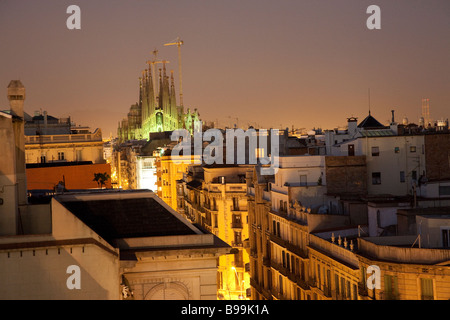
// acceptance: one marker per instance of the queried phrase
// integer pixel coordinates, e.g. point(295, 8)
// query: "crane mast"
point(178, 42)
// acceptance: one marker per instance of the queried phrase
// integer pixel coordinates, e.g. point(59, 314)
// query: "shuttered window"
point(426, 289)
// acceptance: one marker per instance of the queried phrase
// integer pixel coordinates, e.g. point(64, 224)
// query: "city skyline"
point(249, 60)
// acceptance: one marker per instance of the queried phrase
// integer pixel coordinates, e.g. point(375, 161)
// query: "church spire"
point(173, 99)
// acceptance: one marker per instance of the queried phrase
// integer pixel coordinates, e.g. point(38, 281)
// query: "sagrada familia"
point(157, 109)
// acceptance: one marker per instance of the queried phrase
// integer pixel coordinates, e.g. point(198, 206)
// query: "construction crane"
point(178, 42)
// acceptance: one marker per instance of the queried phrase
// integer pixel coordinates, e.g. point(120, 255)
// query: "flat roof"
point(113, 215)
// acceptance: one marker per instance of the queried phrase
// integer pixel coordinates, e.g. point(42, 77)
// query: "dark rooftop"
point(370, 122)
point(127, 218)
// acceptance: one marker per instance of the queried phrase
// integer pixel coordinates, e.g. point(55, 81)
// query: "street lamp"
point(241, 284)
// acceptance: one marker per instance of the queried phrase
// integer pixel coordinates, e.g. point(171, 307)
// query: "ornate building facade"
point(157, 109)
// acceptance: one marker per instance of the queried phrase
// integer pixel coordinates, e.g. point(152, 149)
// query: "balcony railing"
point(289, 246)
point(236, 225)
point(64, 138)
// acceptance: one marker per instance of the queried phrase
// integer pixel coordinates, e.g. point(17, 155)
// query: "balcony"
point(292, 276)
point(289, 246)
point(260, 288)
point(236, 225)
point(238, 209)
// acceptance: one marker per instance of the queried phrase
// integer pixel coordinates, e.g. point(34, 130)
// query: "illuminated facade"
point(300, 251)
point(157, 109)
point(216, 199)
point(52, 140)
point(168, 171)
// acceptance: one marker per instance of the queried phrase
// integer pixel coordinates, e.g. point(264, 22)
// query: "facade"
point(323, 250)
point(52, 140)
point(215, 197)
point(407, 272)
point(291, 220)
point(168, 172)
point(156, 110)
point(402, 159)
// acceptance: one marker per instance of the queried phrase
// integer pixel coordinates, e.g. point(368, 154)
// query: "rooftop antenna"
point(369, 101)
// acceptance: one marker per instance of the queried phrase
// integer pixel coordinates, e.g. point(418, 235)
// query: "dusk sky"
point(301, 63)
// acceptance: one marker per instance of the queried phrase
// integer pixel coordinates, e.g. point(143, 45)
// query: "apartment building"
point(215, 197)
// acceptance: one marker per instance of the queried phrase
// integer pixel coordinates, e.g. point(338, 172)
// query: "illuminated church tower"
point(157, 109)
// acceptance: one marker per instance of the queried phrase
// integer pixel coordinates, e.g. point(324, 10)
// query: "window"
point(426, 289)
point(259, 153)
point(288, 261)
point(445, 238)
point(402, 176)
point(237, 237)
point(375, 151)
point(412, 149)
point(376, 177)
point(280, 281)
point(236, 221)
point(336, 281)
point(379, 218)
point(390, 287)
point(397, 150)
point(236, 204)
point(351, 150)
point(444, 190)
point(414, 175)
point(303, 181)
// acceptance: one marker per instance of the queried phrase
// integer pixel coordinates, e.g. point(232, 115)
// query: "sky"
point(277, 63)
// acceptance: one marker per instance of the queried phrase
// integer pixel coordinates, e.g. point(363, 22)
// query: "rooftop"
point(117, 215)
point(370, 122)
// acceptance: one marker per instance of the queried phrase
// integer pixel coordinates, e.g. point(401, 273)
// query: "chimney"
point(13, 185)
point(394, 126)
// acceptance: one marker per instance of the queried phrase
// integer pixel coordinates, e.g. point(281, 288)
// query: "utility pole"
point(178, 42)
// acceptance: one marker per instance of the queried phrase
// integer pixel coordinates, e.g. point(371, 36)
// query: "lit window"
point(412, 149)
point(397, 150)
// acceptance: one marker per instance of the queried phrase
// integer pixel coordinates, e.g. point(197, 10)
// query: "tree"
point(101, 179)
